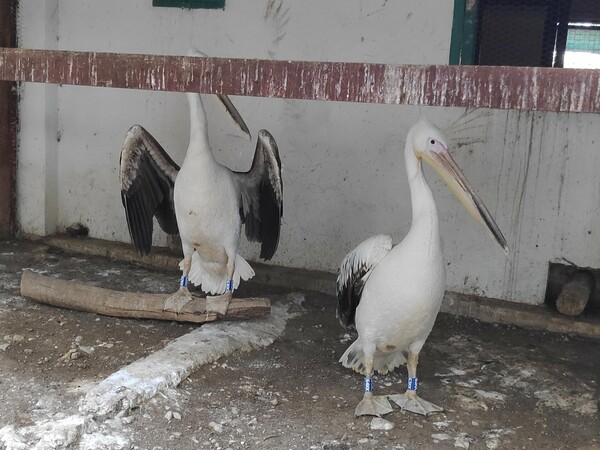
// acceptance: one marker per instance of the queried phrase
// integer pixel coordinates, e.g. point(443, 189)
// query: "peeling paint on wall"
point(521, 88)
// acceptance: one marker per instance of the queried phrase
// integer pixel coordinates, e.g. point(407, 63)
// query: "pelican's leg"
point(176, 301)
point(220, 303)
point(410, 401)
point(371, 405)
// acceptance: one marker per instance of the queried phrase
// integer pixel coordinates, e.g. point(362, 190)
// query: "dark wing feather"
point(261, 192)
point(354, 273)
point(147, 178)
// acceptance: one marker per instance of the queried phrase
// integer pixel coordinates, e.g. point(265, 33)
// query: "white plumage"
point(392, 295)
point(206, 274)
point(203, 201)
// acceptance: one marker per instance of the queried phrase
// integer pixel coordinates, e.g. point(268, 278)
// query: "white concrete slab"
point(97, 425)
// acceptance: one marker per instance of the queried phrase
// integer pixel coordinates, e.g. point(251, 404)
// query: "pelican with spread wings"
point(204, 202)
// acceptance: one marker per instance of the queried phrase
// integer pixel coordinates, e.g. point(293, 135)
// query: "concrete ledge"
point(167, 259)
point(526, 316)
point(487, 310)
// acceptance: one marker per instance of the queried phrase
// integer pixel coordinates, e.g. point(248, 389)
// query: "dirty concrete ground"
point(502, 387)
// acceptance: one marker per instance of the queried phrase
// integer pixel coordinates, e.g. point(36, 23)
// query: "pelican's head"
point(429, 144)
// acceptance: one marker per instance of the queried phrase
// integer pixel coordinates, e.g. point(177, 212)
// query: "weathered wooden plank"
point(82, 297)
point(576, 293)
point(524, 88)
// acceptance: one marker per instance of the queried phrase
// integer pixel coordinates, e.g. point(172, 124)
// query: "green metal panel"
point(191, 4)
point(457, 31)
point(464, 31)
point(583, 40)
point(469, 35)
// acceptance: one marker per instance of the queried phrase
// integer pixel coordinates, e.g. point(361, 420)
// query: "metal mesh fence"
point(587, 40)
point(547, 33)
point(583, 47)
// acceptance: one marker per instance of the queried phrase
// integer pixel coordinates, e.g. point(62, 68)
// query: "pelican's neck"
point(198, 127)
point(425, 222)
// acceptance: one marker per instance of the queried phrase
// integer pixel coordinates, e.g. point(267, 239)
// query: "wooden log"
point(107, 302)
point(575, 294)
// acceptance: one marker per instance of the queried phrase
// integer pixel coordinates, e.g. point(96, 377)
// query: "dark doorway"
point(536, 33)
point(8, 124)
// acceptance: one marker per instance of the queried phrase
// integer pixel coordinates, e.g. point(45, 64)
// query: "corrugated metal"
point(523, 88)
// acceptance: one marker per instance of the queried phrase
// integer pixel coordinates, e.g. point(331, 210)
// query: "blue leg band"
point(183, 282)
point(368, 384)
point(412, 383)
point(229, 286)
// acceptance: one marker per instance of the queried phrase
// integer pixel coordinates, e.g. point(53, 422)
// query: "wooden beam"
point(523, 88)
point(82, 297)
point(8, 125)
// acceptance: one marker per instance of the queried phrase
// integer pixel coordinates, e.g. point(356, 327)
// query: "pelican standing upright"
point(392, 295)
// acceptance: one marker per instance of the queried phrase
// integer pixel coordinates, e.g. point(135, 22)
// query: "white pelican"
point(203, 201)
point(392, 294)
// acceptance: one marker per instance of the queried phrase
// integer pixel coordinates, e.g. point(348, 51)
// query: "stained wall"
point(342, 163)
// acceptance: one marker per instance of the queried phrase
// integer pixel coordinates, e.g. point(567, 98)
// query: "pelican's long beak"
point(439, 158)
point(231, 110)
point(235, 114)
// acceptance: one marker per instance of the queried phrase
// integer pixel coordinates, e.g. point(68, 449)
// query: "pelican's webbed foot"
point(410, 401)
point(176, 301)
point(218, 303)
point(373, 405)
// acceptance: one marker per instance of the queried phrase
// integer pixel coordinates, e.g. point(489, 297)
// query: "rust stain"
point(521, 88)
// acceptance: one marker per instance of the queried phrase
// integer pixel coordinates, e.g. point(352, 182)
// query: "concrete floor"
point(501, 386)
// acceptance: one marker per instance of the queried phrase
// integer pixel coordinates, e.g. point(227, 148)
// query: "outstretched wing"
point(147, 177)
point(261, 192)
point(354, 272)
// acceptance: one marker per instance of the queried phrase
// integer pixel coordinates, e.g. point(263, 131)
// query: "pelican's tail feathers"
point(386, 362)
point(354, 358)
point(207, 275)
point(210, 276)
point(242, 270)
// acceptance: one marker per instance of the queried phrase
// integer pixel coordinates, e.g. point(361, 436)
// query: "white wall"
point(343, 166)
point(37, 165)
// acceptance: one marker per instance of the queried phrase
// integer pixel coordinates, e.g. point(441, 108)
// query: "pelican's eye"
point(434, 146)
